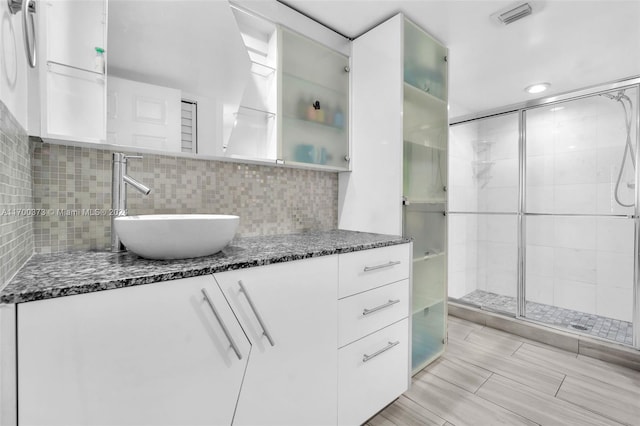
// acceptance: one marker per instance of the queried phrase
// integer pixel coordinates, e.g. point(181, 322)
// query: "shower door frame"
point(521, 110)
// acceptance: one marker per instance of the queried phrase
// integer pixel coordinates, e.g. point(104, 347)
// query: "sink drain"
point(579, 327)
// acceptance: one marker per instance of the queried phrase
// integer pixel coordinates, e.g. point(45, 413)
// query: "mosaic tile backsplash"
point(16, 224)
point(68, 181)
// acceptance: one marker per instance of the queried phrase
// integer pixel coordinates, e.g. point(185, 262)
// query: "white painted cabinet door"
point(293, 381)
point(146, 355)
point(73, 107)
point(73, 31)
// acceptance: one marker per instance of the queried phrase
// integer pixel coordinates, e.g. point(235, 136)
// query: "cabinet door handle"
point(377, 308)
point(384, 265)
point(366, 357)
point(255, 312)
point(207, 298)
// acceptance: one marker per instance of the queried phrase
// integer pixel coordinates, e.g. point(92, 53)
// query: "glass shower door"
point(579, 224)
point(483, 207)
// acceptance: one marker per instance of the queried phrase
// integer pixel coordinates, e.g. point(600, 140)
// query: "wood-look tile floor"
point(488, 377)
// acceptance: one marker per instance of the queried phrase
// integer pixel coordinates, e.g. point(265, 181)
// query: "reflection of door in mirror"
point(143, 115)
point(161, 52)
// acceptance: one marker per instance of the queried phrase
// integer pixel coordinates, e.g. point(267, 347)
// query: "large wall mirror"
point(191, 77)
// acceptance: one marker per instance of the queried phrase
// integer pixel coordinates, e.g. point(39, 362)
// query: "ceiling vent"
point(514, 14)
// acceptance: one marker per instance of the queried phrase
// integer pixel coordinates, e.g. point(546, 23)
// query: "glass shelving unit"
point(314, 103)
point(425, 135)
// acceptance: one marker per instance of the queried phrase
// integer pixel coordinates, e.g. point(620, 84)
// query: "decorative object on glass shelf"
point(319, 112)
point(306, 153)
point(99, 61)
point(338, 118)
point(312, 111)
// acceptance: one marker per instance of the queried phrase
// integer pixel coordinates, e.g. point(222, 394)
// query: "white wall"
point(13, 65)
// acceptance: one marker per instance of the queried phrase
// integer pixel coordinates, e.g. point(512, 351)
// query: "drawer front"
point(364, 313)
point(367, 269)
point(366, 387)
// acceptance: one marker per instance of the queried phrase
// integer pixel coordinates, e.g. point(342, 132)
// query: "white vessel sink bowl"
point(176, 236)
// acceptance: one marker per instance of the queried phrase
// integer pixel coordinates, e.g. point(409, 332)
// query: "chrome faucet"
point(119, 182)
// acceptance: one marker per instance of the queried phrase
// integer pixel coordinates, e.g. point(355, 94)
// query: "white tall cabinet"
point(398, 180)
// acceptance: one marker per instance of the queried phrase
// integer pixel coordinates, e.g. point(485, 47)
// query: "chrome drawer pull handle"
point(255, 312)
point(366, 357)
point(377, 308)
point(224, 327)
point(384, 265)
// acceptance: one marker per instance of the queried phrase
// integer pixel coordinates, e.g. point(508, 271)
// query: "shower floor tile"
point(595, 325)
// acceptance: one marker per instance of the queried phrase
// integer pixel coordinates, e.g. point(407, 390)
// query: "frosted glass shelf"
point(439, 148)
point(254, 113)
point(315, 123)
point(425, 201)
point(426, 304)
point(419, 96)
point(315, 166)
point(427, 257)
point(306, 82)
point(261, 69)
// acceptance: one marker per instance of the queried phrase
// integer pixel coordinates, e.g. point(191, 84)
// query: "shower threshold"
point(606, 328)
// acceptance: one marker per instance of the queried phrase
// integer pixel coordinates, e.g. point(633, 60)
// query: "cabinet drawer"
point(372, 373)
point(364, 313)
point(367, 269)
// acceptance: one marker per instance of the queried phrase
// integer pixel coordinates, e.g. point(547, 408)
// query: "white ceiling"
point(572, 44)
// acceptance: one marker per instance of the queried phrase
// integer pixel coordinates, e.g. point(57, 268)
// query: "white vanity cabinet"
point(318, 341)
point(289, 313)
point(145, 355)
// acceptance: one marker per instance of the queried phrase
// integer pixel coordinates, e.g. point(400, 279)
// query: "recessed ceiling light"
point(537, 88)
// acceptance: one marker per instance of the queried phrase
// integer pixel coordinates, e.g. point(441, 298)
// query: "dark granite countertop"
point(65, 274)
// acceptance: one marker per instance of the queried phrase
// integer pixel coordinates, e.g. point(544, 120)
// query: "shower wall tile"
point(502, 283)
point(16, 219)
point(575, 295)
point(575, 265)
point(539, 287)
point(575, 232)
point(269, 200)
point(540, 262)
point(577, 152)
point(574, 199)
point(614, 269)
point(615, 234)
point(615, 303)
point(586, 251)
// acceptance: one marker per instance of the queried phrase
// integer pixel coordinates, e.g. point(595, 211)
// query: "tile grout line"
point(483, 383)
point(517, 349)
point(561, 383)
point(505, 408)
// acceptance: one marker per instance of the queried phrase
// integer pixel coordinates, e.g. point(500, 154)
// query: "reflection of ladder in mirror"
point(482, 165)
